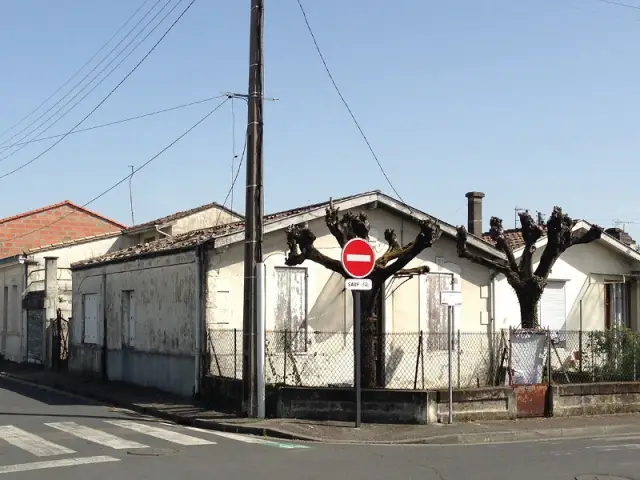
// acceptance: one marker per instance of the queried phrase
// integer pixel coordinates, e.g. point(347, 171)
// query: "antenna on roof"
point(624, 223)
point(516, 211)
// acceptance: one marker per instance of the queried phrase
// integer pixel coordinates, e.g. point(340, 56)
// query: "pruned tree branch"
point(332, 219)
point(560, 236)
point(591, 235)
point(429, 233)
point(496, 232)
point(411, 272)
point(531, 233)
point(496, 265)
point(300, 241)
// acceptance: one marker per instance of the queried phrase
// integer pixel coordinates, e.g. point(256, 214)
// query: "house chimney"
point(621, 235)
point(474, 213)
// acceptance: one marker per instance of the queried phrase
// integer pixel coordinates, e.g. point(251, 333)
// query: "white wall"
point(581, 267)
point(329, 309)
point(160, 351)
point(11, 326)
point(208, 218)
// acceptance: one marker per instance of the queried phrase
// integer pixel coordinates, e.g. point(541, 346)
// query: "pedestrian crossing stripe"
point(95, 436)
point(41, 447)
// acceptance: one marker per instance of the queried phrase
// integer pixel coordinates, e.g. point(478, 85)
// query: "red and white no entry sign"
point(358, 258)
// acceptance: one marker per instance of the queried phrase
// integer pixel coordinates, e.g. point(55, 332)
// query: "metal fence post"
point(633, 350)
point(235, 353)
point(548, 356)
point(458, 342)
point(286, 351)
point(422, 356)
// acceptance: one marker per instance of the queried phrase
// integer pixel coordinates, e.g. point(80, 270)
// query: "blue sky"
point(533, 102)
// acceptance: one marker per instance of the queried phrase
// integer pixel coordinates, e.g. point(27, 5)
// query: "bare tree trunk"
point(529, 298)
point(368, 334)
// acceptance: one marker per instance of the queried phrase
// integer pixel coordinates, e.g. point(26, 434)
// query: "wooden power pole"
point(254, 209)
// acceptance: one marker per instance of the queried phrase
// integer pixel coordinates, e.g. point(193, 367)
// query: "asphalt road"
point(64, 437)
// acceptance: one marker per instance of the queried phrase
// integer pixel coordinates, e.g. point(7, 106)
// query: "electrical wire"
point(101, 80)
point(124, 179)
point(233, 182)
point(620, 4)
point(17, 169)
point(124, 120)
point(83, 79)
point(335, 85)
point(233, 145)
point(4, 132)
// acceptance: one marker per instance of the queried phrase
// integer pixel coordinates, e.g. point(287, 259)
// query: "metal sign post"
point(358, 260)
point(451, 299)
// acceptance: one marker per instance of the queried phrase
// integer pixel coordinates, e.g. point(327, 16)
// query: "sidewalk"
point(187, 412)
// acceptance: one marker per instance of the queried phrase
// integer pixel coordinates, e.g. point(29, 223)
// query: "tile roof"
point(68, 203)
point(515, 239)
point(177, 216)
point(190, 239)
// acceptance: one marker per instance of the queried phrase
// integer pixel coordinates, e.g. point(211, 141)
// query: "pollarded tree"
point(527, 282)
point(300, 241)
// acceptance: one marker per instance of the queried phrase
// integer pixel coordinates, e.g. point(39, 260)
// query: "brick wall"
point(78, 225)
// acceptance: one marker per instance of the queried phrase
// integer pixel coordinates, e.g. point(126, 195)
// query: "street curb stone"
point(272, 432)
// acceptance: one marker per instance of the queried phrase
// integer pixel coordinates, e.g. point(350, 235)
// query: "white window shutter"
point(553, 309)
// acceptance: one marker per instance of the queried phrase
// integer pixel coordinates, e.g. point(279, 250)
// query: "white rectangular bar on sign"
point(358, 284)
point(451, 298)
point(354, 257)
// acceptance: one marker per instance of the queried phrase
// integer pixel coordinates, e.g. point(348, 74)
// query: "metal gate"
point(35, 335)
point(59, 342)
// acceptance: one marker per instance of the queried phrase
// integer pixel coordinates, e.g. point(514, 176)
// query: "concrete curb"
point(272, 432)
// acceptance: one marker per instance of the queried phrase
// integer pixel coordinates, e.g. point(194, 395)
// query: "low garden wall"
point(422, 406)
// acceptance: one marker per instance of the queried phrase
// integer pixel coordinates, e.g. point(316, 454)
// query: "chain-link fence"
point(420, 360)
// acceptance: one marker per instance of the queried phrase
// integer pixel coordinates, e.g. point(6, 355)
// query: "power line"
point(77, 72)
point(117, 122)
point(101, 80)
point(620, 4)
point(353, 117)
point(124, 179)
point(105, 98)
point(83, 79)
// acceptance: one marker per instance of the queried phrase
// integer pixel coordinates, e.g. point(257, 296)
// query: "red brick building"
point(57, 223)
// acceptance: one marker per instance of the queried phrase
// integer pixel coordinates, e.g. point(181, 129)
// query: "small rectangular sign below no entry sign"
point(358, 284)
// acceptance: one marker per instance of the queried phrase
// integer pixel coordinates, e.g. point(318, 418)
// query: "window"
point(128, 318)
point(291, 309)
point(149, 239)
point(14, 323)
point(437, 314)
point(553, 310)
point(90, 318)
point(617, 305)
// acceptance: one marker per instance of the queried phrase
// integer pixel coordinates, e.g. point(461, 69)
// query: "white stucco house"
point(173, 307)
point(187, 292)
point(37, 282)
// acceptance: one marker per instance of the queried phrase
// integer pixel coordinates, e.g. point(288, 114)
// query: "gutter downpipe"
point(198, 331)
point(492, 319)
point(105, 348)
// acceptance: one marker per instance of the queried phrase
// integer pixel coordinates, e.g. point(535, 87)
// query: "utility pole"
point(254, 210)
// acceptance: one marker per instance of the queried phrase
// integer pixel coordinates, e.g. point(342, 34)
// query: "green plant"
point(614, 355)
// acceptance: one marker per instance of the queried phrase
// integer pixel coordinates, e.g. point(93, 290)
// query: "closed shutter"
point(553, 310)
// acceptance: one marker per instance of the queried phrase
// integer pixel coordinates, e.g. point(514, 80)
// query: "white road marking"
point(355, 257)
point(611, 448)
point(169, 436)
point(249, 439)
point(67, 462)
point(31, 443)
point(95, 436)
